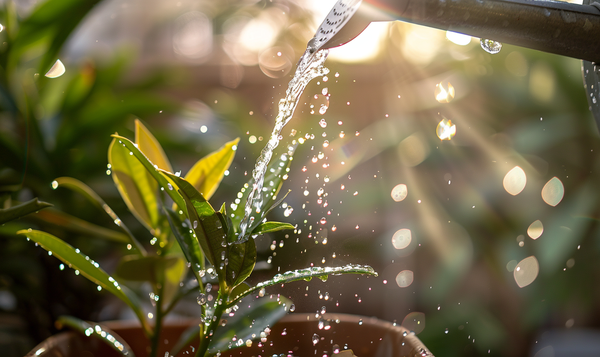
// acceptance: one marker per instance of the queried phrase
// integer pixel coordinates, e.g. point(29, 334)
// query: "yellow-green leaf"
point(137, 188)
point(163, 180)
point(148, 145)
point(207, 173)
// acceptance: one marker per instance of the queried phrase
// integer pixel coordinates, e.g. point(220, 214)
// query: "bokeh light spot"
point(415, 322)
point(405, 278)
point(402, 238)
point(510, 266)
point(553, 191)
point(399, 192)
point(444, 95)
point(413, 150)
point(535, 229)
point(526, 271)
point(445, 129)
point(458, 38)
point(514, 181)
point(57, 70)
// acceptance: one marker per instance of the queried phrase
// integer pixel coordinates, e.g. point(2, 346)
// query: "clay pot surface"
point(293, 335)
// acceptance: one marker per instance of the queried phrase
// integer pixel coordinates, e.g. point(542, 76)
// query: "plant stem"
point(206, 337)
point(154, 340)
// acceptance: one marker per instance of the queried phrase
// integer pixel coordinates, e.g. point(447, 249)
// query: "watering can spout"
point(556, 27)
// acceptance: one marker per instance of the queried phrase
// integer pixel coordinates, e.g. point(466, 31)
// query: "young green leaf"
point(268, 227)
point(150, 147)
point(164, 181)
point(21, 210)
point(137, 188)
point(102, 333)
point(207, 173)
point(86, 267)
point(305, 274)
point(276, 172)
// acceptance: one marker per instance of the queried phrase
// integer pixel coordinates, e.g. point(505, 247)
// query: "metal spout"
point(556, 27)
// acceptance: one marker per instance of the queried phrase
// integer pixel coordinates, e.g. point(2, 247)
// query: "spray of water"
point(310, 66)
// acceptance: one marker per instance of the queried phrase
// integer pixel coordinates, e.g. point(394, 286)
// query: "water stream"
point(310, 66)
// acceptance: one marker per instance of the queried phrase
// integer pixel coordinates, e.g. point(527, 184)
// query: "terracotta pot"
point(294, 335)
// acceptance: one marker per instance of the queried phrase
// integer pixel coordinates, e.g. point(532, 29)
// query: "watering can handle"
point(556, 27)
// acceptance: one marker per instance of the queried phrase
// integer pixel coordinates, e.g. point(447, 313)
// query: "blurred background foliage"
point(201, 72)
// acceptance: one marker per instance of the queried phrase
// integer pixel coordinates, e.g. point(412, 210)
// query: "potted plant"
point(188, 236)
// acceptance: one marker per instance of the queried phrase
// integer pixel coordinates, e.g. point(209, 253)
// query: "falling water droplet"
point(323, 123)
point(292, 308)
point(54, 185)
point(201, 299)
point(323, 109)
point(57, 70)
point(490, 46)
point(315, 339)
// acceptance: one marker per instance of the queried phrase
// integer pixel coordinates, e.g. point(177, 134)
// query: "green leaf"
point(78, 225)
point(242, 258)
point(164, 181)
point(86, 267)
point(136, 187)
point(305, 274)
point(268, 227)
point(150, 147)
point(22, 209)
point(189, 245)
point(274, 178)
point(240, 289)
point(93, 197)
point(99, 331)
point(206, 224)
point(261, 314)
point(207, 173)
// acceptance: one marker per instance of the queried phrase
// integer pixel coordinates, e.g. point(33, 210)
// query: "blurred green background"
point(201, 72)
